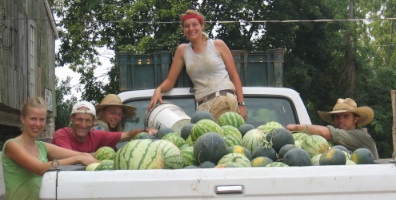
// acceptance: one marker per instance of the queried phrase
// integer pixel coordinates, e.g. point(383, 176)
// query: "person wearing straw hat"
point(345, 121)
point(110, 113)
point(81, 137)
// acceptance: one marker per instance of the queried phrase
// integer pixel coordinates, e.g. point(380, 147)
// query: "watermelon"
point(284, 150)
point(253, 138)
point(362, 156)
point(230, 130)
point(139, 154)
point(244, 128)
point(230, 118)
point(261, 161)
point(175, 138)
point(300, 136)
point(342, 148)
point(207, 164)
point(144, 135)
point(105, 153)
point(191, 167)
point(332, 156)
point(297, 157)
point(266, 151)
point(225, 165)
point(186, 130)
point(105, 165)
point(277, 164)
point(209, 147)
point(188, 156)
point(162, 131)
point(315, 159)
point(204, 126)
point(232, 140)
point(173, 157)
point(236, 159)
point(279, 137)
point(239, 149)
point(349, 162)
point(267, 127)
point(199, 115)
point(315, 144)
point(92, 166)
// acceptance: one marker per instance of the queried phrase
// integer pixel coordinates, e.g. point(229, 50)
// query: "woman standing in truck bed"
point(211, 68)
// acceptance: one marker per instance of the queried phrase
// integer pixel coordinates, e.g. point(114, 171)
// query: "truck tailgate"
point(377, 181)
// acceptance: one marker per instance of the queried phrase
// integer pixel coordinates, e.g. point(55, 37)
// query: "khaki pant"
point(220, 105)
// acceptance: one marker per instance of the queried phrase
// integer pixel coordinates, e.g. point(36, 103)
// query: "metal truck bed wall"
point(376, 181)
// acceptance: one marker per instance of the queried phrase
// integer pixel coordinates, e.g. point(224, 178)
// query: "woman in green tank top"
point(25, 160)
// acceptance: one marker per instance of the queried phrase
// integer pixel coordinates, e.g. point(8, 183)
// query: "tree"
point(63, 106)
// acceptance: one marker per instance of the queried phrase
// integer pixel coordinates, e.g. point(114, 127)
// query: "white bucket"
point(166, 115)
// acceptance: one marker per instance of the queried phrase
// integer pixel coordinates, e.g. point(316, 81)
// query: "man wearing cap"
point(80, 137)
point(110, 113)
point(344, 121)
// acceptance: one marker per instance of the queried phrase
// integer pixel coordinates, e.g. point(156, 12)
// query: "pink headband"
point(189, 16)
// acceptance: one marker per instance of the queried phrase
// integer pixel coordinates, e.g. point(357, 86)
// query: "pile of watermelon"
point(226, 142)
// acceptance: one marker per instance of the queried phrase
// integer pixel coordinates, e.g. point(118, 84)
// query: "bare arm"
point(311, 129)
point(66, 157)
point(169, 82)
point(233, 73)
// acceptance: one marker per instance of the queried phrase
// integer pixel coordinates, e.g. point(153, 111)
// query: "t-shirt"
point(93, 140)
point(353, 139)
point(21, 183)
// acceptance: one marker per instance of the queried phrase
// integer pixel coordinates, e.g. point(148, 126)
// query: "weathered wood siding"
point(14, 54)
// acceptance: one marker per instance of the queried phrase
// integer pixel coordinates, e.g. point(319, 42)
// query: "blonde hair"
point(32, 102)
point(189, 11)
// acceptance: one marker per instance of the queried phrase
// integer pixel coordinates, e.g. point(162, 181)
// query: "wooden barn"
point(27, 61)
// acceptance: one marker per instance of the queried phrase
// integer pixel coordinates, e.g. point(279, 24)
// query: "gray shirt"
point(353, 139)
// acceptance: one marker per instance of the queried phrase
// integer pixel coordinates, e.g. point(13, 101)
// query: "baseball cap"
point(91, 108)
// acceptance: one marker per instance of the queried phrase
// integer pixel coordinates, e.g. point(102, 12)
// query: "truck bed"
point(376, 181)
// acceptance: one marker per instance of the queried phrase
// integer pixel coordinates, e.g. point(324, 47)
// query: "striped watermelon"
point(232, 140)
point(105, 153)
point(300, 136)
point(204, 126)
point(188, 156)
point(173, 157)
point(230, 130)
point(315, 144)
point(105, 165)
point(253, 138)
point(175, 138)
point(230, 118)
point(261, 161)
point(267, 127)
point(236, 159)
point(239, 149)
point(139, 154)
point(277, 164)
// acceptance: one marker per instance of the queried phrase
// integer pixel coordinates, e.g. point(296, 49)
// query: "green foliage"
point(63, 106)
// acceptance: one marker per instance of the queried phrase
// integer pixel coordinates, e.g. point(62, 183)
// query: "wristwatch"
point(241, 103)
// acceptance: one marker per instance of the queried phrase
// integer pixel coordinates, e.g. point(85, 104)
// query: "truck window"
point(260, 110)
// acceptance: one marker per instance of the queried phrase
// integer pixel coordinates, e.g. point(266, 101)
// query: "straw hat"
point(114, 100)
point(366, 114)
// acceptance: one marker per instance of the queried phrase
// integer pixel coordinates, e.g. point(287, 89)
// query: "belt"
point(213, 95)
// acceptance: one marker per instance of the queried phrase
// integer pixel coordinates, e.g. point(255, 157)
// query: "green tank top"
point(21, 183)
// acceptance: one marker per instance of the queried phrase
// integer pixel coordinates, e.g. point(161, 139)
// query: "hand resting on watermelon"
point(346, 120)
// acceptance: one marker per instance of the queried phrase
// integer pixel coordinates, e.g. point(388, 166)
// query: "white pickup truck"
point(375, 181)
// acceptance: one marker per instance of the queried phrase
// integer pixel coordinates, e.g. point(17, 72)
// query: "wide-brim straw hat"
point(366, 114)
point(114, 100)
